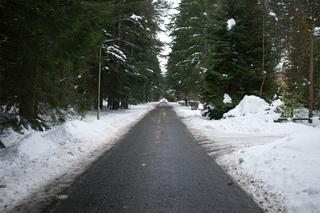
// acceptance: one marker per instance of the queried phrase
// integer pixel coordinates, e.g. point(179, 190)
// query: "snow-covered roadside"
point(41, 157)
point(277, 163)
point(289, 166)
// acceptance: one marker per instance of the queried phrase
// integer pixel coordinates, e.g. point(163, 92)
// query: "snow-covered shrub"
point(222, 105)
point(216, 111)
point(205, 112)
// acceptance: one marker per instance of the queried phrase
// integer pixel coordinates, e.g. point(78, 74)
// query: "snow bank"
point(41, 157)
point(252, 117)
point(277, 163)
point(290, 166)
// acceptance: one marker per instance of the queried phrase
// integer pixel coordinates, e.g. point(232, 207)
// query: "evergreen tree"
point(132, 65)
point(295, 22)
point(235, 57)
point(187, 60)
point(50, 53)
point(39, 57)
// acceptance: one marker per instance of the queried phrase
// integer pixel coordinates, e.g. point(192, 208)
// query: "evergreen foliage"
point(295, 23)
point(219, 58)
point(235, 57)
point(187, 60)
point(50, 53)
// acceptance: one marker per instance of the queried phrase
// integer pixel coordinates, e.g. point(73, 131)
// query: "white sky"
point(164, 36)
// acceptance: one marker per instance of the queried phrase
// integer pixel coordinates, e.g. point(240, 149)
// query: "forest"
point(51, 52)
point(267, 48)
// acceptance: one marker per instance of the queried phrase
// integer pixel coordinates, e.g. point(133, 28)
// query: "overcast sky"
point(164, 36)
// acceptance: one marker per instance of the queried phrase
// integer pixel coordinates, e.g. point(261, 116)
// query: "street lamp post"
point(99, 84)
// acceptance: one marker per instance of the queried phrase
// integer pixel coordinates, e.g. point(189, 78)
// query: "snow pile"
point(254, 106)
point(252, 117)
point(290, 166)
point(41, 157)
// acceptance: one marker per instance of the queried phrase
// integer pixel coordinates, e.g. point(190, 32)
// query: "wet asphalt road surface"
point(157, 168)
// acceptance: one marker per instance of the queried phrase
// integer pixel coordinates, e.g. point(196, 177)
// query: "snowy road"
point(157, 167)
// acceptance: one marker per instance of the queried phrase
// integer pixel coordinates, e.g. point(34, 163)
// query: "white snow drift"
point(291, 166)
point(40, 157)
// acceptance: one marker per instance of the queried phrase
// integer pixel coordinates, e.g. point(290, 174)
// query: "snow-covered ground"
point(277, 163)
point(37, 159)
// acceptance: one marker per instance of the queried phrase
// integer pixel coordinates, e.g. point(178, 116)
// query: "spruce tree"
point(235, 58)
point(187, 59)
point(50, 53)
point(295, 22)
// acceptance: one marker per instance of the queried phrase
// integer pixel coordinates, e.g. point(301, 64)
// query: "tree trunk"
point(264, 73)
point(124, 104)
point(311, 76)
point(110, 102)
point(101, 101)
point(28, 103)
point(115, 104)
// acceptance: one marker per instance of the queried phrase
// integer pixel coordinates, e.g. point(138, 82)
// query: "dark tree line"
point(295, 23)
point(50, 54)
point(211, 58)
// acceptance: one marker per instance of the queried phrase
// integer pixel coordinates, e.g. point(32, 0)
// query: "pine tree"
point(50, 53)
point(37, 54)
point(295, 24)
point(137, 69)
point(190, 46)
point(235, 57)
